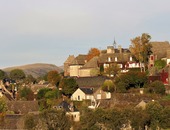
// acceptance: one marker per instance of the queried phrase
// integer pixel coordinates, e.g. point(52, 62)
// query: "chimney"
point(120, 49)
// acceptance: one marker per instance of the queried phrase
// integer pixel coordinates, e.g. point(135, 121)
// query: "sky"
point(48, 31)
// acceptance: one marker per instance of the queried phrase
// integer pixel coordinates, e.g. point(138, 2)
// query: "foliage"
point(56, 119)
point(26, 93)
point(154, 110)
point(101, 69)
point(54, 77)
point(41, 93)
point(160, 64)
point(141, 48)
point(68, 86)
point(156, 87)
point(3, 106)
point(113, 69)
point(2, 74)
point(92, 53)
point(17, 74)
point(131, 79)
point(108, 86)
point(30, 79)
point(51, 94)
point(30, 121)
point(165, 116)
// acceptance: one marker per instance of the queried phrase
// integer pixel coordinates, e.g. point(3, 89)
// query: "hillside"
point(36, 70)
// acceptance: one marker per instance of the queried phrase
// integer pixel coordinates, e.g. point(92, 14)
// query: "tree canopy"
point(54, 77)
point(108, 86)
point(92, 53)
point(141, 48)
point(17, 74)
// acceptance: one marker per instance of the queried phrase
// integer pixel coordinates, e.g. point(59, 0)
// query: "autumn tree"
point(92, 53)
point(54, 77)
point(141, 48)
point(17, 74)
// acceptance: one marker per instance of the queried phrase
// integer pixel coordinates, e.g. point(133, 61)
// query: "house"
point(90, 68)
point(94, 83)
point(76, 64)
point(142, 105)
point(71, 110)
point(120, 56)
point(83, 94)
point(67, 65)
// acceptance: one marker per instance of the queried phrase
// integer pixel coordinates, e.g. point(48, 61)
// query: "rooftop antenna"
point(114, 43)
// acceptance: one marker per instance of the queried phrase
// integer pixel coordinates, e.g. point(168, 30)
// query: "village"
point(111, 89)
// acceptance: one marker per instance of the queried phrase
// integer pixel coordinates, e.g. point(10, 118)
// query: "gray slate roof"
point(87, 90)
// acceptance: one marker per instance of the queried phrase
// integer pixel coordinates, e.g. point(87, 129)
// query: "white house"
point(82, 94)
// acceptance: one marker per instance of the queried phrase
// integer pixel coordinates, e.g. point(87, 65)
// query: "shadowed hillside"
point(36, 70)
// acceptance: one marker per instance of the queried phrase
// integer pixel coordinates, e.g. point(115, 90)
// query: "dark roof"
point(79, 60)
point(96, 81)
point(121, 57)
point(87, 90)
point(66, 106)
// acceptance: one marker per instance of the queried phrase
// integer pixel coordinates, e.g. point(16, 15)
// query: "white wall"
point(78, 95)
point(74, 70)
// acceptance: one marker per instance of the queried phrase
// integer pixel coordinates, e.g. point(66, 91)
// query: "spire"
point(114, 43)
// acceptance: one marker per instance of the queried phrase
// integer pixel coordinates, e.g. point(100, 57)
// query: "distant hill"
point(36, 70)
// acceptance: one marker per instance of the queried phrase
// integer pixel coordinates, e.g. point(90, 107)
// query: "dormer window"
point(109, 59)
point(115, 58)
point(130, 58)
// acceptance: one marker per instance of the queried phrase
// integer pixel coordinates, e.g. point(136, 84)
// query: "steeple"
point(114, 44)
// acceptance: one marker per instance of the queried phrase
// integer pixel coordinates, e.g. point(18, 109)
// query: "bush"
point(26, 93)
point(156, 87)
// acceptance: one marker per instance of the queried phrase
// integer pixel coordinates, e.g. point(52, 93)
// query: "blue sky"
point(48, 31)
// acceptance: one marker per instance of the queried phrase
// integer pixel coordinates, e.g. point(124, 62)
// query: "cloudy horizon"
point(41, 31)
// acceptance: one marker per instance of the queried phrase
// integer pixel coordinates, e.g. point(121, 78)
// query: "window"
point(152, 57)
point(115, 58)
point(78, 97)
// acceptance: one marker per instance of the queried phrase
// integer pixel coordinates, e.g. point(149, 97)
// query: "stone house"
point(67, 65)
point(76, 64)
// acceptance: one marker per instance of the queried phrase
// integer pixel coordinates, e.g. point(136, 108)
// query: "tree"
point(92, 53)
point(108, 86)
point(54, 77)
point(113, 69)
point(56, 119)
point(141, 48)
point(17, 74)
point(154, 109)
point(2, 74)
point(156, 87)
point(68, 86)
point(42, 92)
point(30, 79)
point(26, 93)
point(160, 64)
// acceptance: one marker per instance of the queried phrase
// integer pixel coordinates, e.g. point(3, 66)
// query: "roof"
point(87, 90)
point(161, 52)
point(70, 59)
point(121, 57)
point(92, 63)
point(23, 107)
point(94, 82)
point(67, 107)
point(79, 60)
